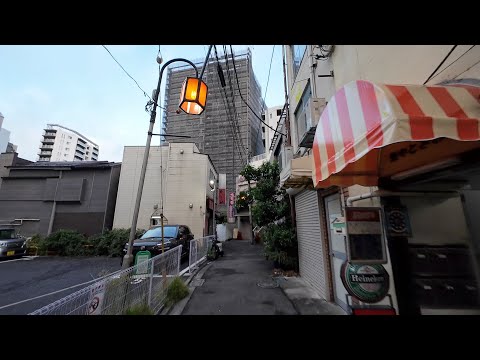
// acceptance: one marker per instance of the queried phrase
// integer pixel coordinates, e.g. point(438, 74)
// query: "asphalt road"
point(33, 276)
point(240, 283)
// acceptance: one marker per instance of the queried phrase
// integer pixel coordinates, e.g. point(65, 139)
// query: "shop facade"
point(396, 176)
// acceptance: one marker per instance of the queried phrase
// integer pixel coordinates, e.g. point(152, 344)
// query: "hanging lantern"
point(193, 97)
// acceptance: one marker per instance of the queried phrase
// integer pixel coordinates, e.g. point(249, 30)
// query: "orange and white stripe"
point(363, 116)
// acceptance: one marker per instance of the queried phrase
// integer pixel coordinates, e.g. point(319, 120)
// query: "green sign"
point(141, 262)
point(368, 283)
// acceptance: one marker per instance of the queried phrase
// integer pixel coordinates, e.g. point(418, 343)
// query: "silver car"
point(11, 245)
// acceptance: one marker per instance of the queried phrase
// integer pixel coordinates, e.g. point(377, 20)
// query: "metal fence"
point(134, 289)
point(198, 251)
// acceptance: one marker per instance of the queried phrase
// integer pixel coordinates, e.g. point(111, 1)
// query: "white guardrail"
point(143, 285)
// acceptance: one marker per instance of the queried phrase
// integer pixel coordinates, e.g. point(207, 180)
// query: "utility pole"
point(127, 260)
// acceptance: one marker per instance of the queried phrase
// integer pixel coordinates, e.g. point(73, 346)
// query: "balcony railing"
point(44, 146)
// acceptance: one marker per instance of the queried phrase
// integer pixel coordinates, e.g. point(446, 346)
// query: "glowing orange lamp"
point(194, 96)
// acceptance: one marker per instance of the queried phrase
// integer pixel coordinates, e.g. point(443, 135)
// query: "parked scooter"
point(216, 250)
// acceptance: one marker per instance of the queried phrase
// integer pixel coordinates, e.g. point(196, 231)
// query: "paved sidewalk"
point(240, 283)
point(306, 300)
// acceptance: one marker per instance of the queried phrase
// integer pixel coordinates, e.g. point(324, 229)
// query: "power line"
point(130, 76)
point(266, 88)
point(268, 78)
point(229, 117)
point(232, 91)
point(453, 62)
point(253, 111)
point(439, 65)
point(467, 69)
point(234, 127)
point(235, 143)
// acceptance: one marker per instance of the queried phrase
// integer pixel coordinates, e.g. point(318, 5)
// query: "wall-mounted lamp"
point(212, 185)
point(190, 206)
point(181, 151)
point(193, 97)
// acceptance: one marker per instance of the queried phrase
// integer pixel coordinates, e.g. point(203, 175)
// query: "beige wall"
point(185, 182)
point(390, 64)
point(402, 64)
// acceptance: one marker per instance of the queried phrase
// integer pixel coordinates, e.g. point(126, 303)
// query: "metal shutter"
point(310, 243)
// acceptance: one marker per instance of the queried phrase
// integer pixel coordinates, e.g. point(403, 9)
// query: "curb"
point(177, 308)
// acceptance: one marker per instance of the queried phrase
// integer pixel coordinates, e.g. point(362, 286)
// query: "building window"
point(68, 142)
point(263, 116)
point(270, 115)
point(263, 129)
point(279, 112)
point(67, 149)
point(65, 155)
point(298, 52)
point(300, 114)
point(69, 137)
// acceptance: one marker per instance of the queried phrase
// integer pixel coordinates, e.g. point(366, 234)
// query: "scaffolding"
point(212, 130)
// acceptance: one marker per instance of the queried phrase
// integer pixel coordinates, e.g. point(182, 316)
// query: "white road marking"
point(25, 258)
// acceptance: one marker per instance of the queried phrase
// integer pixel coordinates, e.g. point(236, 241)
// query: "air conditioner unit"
point(307, 122)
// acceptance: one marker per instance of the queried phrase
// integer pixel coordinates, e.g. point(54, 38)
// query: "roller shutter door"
point(310, 242)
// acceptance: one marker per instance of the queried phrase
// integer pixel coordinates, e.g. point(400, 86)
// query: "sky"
point(83, 88)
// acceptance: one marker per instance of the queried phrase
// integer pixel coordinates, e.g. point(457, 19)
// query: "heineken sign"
point(368, 283)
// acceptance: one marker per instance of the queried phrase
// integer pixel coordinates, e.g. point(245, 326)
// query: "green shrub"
point(176, 291)
point(140, 309)
point(67, 243)
point(281, 245)
point(72, 243)
point(112, 242)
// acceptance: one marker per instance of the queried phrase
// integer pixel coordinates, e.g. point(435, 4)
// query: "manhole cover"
point(269, 284)
point(198, 282)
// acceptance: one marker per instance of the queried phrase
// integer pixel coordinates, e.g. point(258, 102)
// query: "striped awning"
point(369, 130)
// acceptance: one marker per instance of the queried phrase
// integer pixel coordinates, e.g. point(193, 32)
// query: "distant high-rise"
point(226, 117)
point(5, 144)
point(63, 144)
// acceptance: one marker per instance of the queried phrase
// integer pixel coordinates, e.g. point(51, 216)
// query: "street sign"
point(141, 262)
point(95, 302)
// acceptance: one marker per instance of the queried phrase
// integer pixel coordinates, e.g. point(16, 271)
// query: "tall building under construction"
point(227, 130)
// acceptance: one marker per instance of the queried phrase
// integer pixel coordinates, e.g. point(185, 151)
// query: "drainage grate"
point(269, 284)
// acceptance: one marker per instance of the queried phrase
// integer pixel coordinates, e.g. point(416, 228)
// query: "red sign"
point(362, 215)
point(221, 197)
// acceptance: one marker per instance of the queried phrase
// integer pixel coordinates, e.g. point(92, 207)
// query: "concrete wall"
point(6, 159)
point(186, 178)
point(128, 185)
point(390, 64)
point(82, 199)
point(187, 183)
point(402, 64)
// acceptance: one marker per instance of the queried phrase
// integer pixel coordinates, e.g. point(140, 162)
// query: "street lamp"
point(193, 102)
